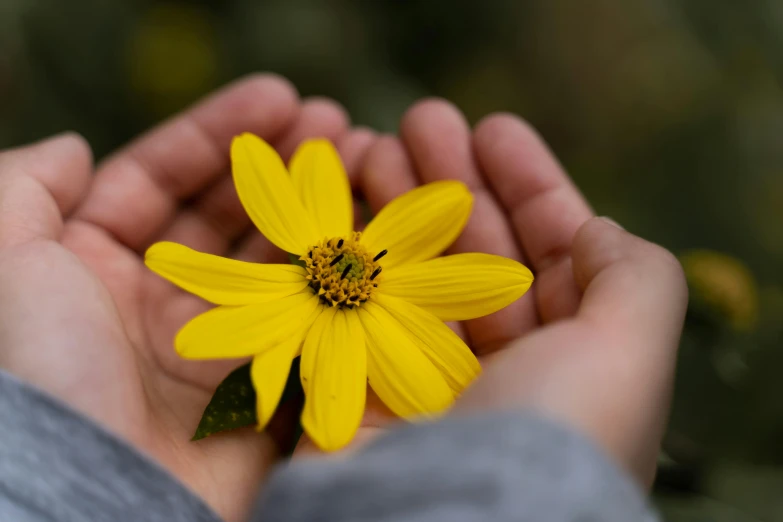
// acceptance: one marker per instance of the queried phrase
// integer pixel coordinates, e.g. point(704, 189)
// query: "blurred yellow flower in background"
point(723, 284)
point(172, 57)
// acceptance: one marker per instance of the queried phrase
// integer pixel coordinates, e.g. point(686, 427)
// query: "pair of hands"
point(592, 345)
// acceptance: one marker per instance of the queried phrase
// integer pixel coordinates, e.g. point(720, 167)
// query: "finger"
point(387, 173)
point(319, 118)
point(217, 219)
point(439, 141)
point(636, 292)
point(39, 184)
point(608, 372)
point(214, 221)
point(544, 206)
point(633, 286)
point(353, 148)
point(137, 190)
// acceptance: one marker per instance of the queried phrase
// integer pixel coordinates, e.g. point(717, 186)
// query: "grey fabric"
point(57, 466)
point(493, 468)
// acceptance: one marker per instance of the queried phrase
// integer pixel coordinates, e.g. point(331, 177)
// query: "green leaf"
point(234, 403)
point(294, 259)
point(232, 406)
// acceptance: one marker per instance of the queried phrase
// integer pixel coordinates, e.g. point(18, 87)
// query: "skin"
point(592, 345)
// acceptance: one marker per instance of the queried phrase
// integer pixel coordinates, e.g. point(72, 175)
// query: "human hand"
point(594, 344)
point(80, 315)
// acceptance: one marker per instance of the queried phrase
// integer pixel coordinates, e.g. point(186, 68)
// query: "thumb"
point(634, 304)
point(635, 292)
point(634, 287)
point(39, 184)
point(608, 371)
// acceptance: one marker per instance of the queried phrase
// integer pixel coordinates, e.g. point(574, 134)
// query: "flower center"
point(341, 271)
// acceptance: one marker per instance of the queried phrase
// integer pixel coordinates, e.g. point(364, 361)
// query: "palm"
point(156, 399)
point(525, 208)
point(171, 184)
point(555, 350)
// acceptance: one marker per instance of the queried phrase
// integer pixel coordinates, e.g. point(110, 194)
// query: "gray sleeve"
point(492, 468)
point(57, 466)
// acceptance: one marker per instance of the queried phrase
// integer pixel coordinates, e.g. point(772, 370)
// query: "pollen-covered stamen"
point(341, 271)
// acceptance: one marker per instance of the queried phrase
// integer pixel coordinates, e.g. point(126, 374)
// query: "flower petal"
point(402, 376)
point(438, 342)
point(334, 378)
point(420, 224)
point(459, 287)
point(228, 332)
point(319, 177)
point(265, 190)
point(223, 281)
point(269, 373)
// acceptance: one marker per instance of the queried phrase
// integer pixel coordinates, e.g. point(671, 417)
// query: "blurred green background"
point(668, 113)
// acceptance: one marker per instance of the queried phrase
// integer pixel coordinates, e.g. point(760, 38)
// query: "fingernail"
point(612, 222)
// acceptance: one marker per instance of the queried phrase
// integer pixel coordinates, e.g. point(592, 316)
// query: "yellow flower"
point(365, 306)
point(725, 285)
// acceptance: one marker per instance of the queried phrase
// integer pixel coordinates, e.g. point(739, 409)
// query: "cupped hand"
point(593, 344)
point(83, 319)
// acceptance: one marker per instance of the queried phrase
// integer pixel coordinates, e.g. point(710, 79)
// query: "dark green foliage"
point(234, 403)
point(232, 406)
point(294, 259)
